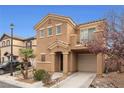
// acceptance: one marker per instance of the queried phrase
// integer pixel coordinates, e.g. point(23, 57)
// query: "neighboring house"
point(18, 43)
point(61, 45)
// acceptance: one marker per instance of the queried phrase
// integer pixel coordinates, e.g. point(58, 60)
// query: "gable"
point(54, 17)
point(4, 37)
point(51, 22)
point(58, 43)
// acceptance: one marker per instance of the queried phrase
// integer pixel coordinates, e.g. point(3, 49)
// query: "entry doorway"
point(59, 62)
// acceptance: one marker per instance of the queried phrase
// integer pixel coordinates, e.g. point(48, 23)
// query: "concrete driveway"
point(77, 80)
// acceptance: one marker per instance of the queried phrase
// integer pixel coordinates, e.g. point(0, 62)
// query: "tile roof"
point(91, 22)
point(16, 37)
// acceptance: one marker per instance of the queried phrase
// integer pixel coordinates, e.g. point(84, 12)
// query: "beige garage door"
point(87, 62)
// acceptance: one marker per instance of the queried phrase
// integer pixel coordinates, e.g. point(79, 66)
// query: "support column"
point(65, 62)
point(99, 64)
point(53, 62)
point(71, 62)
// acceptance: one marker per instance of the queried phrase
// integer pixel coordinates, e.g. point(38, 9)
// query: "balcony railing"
point(76, 43)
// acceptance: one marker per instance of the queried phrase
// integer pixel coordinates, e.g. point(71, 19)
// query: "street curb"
point(12, 81)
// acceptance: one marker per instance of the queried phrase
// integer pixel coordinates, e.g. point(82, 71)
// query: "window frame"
point(89, 30)
point(3, 43)
point(60, 29)
point(29, 44)
point(8, 44)
point(84, 34)
point(48, 31)
point(43, 58)
point(42, 30)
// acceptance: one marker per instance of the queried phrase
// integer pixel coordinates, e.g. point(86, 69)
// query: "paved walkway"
point(77, 80)
point(5, 85)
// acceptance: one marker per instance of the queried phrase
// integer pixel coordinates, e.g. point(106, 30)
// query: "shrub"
point(39, 74)
point(47, 78)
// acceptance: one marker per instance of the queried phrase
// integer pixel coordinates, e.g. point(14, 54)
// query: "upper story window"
point(8, 43)
point(3, 43)
point(42, 33)
point(29, 44)
point(87, 34)
point(58, 30)
point(50, 31)
point(91, 33)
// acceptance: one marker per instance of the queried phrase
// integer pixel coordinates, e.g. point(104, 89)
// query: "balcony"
point(76, 44)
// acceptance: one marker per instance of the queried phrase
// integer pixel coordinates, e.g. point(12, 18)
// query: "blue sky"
point(25, 17)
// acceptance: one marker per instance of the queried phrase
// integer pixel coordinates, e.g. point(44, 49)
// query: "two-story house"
point(18, 43)
point(61, 45)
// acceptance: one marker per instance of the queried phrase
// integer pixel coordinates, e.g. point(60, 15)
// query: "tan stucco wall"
point(43, 43)
point(72, 62)
point(100, 63)
point(18, 42)
point(70, 36)
point(34, 45)
point(3, 50)
point(45, 66)
point(17, 45)
point(87, 26)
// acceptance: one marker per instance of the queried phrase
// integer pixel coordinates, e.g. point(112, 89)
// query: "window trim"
point(29, 44)
point(56, 29)
point(3, 44)
point(8, 43)
point(44, 33)
point(58, 24)
point(93, 32)
point(82, 30)
point(43, 53)
point(87, 29)
point(41, 28)
point(50, 27)
point(43, 60)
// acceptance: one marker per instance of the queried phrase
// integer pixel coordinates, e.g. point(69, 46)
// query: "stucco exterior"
point(61, 51)
point(18, 43)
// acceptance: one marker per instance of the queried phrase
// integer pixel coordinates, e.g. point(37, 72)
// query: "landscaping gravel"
point(111, 80)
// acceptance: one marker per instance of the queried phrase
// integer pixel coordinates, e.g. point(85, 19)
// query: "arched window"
point(3, 43)
point(8, 43)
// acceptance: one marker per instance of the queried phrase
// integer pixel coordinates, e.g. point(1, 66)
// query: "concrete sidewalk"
point(12, 80)
point(77, 80)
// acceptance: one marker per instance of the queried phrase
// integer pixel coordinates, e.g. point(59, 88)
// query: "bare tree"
point(110, 39)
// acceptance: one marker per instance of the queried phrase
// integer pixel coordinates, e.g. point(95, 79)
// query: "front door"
point(59, 61)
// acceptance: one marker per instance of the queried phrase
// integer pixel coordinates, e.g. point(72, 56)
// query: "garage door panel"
point(87, 62)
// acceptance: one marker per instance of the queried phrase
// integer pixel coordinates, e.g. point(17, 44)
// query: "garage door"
point(87, 62)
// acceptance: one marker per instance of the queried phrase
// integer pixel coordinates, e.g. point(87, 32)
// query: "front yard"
point(18, 80)
point(110, 80)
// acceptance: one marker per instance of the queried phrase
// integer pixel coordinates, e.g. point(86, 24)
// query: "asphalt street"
point(5, 85)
